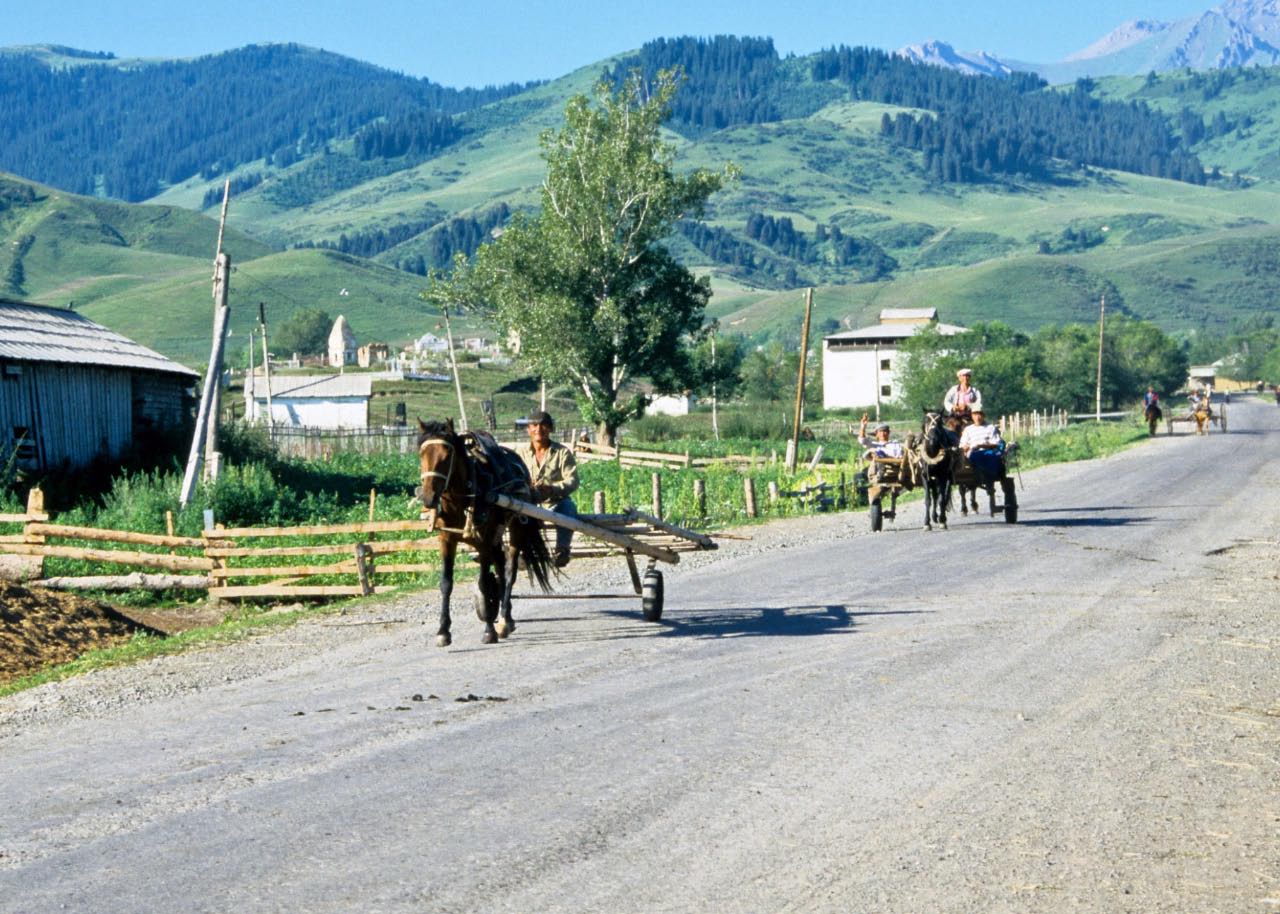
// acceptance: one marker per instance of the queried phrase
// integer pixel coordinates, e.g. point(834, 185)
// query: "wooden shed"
point(72, 391)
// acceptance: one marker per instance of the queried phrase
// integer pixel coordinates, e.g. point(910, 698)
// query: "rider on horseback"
point(962, 400)
point(1150, 398)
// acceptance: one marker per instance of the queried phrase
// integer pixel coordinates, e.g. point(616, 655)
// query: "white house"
point(315, 401)
point(429, 342)
point(859, 366)
point(671, 404)
point(342, 344)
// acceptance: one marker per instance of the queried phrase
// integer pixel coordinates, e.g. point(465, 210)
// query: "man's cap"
point(977, 410)
point(963, 371)
point(541, 418)
point(883, 427)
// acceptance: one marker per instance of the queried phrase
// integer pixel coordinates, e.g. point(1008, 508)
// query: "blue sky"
point(465, 43)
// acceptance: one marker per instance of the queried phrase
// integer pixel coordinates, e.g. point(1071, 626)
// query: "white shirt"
point(881, 448)
point(979, 436)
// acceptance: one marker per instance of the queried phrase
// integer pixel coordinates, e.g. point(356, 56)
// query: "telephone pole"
point(1102, 326)
point(793, 445)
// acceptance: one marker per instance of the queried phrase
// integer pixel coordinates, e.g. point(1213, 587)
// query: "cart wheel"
point(1222, 423)
point(877, 517)
point(651, 597)
point(1010, 501)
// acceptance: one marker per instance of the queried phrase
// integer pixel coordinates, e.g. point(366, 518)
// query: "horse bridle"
point(428, 474)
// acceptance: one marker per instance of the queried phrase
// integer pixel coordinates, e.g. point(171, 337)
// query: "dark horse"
point(458, 472)
point(935, 452)
point(1153, 415)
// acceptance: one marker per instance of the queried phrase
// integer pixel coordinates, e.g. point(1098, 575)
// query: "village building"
point(342, 344)
point(859, 367)
point(429, 342)
point(671, 404)
point(371, 353)
point(311, 401)
point(72, 391)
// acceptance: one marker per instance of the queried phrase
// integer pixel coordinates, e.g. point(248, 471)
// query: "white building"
point(429, 342)
point(342, 344)
point(315, 401)
point(859, 366)
point(671, 404)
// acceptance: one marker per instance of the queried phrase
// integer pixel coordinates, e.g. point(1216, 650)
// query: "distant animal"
point(457, 473)
point(1153, 415)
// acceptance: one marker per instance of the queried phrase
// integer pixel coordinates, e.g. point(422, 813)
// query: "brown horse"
point(458, 472)
point(1153, 414)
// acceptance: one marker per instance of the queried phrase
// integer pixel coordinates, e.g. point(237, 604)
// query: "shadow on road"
point(724, 622)
point(1090, 521)
point(755, 621)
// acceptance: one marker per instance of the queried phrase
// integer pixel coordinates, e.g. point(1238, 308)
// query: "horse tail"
point(532, 546)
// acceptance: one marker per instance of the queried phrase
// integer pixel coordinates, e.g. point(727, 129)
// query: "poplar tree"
point(587, 285)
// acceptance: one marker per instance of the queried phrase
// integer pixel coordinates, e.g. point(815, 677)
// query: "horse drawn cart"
point(889, 476)
point(630, 534)
point(1202, 416)
point(988, 471)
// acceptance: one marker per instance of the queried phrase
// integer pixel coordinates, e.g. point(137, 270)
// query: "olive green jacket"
point(559, 471)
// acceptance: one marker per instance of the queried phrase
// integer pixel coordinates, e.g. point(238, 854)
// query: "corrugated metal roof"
point(893, 331)
point(37, 333)
point(315, 387)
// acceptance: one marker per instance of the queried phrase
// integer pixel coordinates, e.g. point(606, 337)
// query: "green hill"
point(827, 198)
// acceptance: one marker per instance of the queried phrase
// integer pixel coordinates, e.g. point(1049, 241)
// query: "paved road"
point(1074, 713)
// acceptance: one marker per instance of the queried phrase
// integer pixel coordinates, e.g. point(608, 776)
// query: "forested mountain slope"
point(880, 181)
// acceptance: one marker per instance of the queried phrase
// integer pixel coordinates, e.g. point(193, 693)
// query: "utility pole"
point(457, 382)
point(212, 380)
point(266, 361)
point(715, 400)
point(794, 444)
point(206, 435)
point(1102, 326)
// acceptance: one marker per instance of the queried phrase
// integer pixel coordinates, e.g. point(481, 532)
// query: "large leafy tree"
point(305, 331)
point(587, 285)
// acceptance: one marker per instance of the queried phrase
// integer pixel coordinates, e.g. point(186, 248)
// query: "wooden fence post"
point(364, 569)
point(373, 503)
point(597, 502)
point(773, 492)
point(749, 494)
point(657, 495)
point(700, 497)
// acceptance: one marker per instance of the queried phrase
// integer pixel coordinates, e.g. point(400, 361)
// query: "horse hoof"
point(443, 641)
point(504, 628)
point(489, 637)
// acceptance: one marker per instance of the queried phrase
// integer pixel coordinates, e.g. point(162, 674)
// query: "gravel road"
point(1080, 712)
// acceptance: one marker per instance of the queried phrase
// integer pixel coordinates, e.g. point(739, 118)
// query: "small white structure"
point(342, 344)
point(671, 404)
point(1202, 376)
point(859, 366)
point(429, 342)
point(314, 401)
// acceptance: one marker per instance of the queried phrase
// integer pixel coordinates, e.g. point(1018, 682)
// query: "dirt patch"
point(41, 628)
